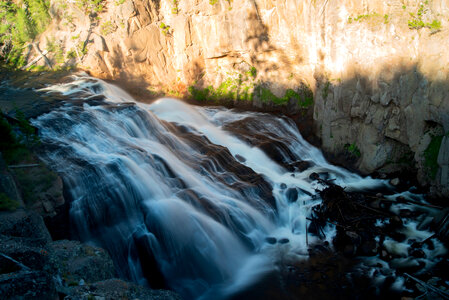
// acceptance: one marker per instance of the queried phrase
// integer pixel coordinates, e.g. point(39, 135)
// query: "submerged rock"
point(292, 194)
point(270, 240)
point(240, 158)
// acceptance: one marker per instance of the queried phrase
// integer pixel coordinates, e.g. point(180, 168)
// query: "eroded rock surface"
point(380, 83)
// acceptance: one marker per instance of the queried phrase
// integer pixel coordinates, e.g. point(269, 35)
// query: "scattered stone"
point(284, 241)
point(283, 186)
point(394, 181)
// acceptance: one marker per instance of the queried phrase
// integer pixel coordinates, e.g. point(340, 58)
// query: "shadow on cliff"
point(389, 121)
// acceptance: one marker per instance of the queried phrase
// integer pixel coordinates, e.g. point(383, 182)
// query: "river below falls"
point(210, 202)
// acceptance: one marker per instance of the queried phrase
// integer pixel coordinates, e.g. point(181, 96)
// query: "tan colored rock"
point(372, 75)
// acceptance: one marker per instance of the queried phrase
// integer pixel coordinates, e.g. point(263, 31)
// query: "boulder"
point(77, 261)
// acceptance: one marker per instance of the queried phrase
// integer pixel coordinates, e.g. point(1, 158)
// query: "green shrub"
point(7, 204)
point(252, 72)
point(325, 92)
point(165, 28)
point(107, 28)
point(21, 24)
point(431, 156)
point(15, 141)
point(91, 6)
point(213, 2)
point(175, 9)
point(199, 94)
point(417, 22)
point(353, 149)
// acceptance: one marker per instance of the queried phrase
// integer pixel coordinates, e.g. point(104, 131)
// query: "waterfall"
point(203, 200)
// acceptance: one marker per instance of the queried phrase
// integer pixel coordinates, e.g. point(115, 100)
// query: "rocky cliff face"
point(378, 69)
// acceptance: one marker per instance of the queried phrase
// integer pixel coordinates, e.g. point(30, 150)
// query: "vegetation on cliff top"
point(20, 22)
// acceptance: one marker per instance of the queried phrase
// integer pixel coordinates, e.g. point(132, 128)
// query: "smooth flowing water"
point(204, 200)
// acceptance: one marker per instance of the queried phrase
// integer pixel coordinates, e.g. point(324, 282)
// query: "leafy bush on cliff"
point(15, 141)
point(20, 24)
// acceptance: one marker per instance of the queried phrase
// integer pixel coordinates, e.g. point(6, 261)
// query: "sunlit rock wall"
point(381, 89)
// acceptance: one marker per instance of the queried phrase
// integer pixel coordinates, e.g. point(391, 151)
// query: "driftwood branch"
point(47, 61)
point(35, 60)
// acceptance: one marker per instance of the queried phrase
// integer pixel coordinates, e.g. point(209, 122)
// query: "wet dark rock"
point(398, 236)
point(151, 271)
point(349, 250)
point(24, 224)
point(369, 248)
point(284, 241)
point(430, 244)
point(314, 176)
point(354, 237)
point(240, 158)
point(292, 194)
point(396, 222)
point(376, 204)
point(277, 151)
point(299, 166)
point(27, 285)
point(320, 249)
point(418, 253)
point(270, 240)
point(283, 186)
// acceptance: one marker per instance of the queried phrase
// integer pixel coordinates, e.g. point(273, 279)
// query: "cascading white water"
point(182, 190)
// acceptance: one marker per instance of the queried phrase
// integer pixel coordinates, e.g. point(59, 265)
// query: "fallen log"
point(23, 166)
point(429, 287)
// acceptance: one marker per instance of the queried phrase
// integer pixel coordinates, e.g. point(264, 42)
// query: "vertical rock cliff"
point(378, 69)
